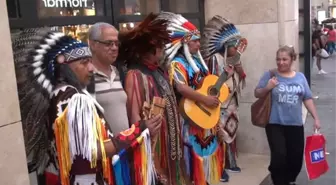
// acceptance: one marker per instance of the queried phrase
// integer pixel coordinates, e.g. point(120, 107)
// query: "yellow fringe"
point(171, 73)
point(62, 144)
point(101, 139)
point(214, 162)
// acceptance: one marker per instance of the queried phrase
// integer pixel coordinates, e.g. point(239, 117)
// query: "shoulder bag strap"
point(272, 72)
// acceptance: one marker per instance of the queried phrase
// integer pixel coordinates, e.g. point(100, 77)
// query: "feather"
point(178, 27)
point(217, 32)
point(149, 34)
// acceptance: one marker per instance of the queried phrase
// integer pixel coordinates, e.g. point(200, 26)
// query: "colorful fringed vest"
point(150, 82)
point(79, 129)
point(203, 153)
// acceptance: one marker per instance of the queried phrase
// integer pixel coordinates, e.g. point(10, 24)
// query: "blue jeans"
point(331, 47)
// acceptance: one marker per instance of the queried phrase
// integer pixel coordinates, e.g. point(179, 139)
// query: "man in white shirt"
point(109, 92)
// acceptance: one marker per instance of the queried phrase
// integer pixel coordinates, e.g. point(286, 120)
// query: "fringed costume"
point(222, 46)
point(64, 128)
point(203, 153)
point(147, 84)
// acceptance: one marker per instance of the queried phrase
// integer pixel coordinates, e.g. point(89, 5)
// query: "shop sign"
point(65, 3)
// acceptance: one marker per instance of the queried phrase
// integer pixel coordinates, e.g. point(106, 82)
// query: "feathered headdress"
point(218, 34)
point(35, 52)
point(148, 35)
point(181, 32)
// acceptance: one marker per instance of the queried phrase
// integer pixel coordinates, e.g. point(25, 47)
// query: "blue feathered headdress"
point(218, 33)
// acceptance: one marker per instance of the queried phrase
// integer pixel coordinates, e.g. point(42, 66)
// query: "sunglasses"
point(109, 43)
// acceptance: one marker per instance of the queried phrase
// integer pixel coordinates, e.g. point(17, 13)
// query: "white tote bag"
point(323, 53)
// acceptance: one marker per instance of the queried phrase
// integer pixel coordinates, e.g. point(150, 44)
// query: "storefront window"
point(332, 2)
point(56, 8)
point(333, 12)
point(321, 15)
point(139, 7)
point(13, 8)
point(184, 6)
point(79, 32)
point(127, 26)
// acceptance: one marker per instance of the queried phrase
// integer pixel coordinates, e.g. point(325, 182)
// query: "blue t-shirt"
point(287, 98)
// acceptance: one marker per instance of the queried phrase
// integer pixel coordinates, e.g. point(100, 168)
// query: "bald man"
point(109, 92)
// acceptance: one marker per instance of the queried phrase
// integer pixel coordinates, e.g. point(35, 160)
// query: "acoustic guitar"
point(200, 114)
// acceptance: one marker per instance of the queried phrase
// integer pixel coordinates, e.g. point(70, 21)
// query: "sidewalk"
point(254, 170)
point(324, 86)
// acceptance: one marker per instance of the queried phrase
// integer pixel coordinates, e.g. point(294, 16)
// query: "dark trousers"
point(286, 144)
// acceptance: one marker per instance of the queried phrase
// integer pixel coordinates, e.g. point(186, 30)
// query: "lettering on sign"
point(65, 3)
point(317, 155)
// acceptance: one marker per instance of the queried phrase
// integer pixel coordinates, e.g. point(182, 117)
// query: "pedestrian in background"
point(331, 43)
point(318, 48)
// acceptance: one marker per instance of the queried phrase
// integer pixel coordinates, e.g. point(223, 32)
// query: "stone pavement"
point(254, 170)
point(324, 86)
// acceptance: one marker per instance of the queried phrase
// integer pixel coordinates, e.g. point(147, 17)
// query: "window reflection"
point(79, 32)
point(139, 7)
point(184, 6)
point(56, 8)
point(127, 26)
point(332, 2)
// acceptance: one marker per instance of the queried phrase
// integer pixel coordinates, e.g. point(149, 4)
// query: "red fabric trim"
point(151, 66)
point(51, 179)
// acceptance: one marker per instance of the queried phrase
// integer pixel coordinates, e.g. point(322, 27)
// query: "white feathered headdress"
point(181, 32)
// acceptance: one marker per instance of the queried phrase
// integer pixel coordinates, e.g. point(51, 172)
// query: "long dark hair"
point(66, 76)
point(144, 39)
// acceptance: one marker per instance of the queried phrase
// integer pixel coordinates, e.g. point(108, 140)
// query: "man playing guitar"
point(187, 70)
point(222, 46)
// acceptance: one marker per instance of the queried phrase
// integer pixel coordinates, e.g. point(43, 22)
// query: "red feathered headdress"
point(148, 35)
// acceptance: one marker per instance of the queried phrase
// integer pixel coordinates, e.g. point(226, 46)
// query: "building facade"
point(267, 24)
point(74, 17)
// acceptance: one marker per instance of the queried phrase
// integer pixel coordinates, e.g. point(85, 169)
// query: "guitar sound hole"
point(213, 92)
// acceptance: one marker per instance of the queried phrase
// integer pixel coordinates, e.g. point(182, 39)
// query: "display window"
point(184, 6)
point(332, 12)
point(139, 7)
point(127, 26)
point(13, 8)
point(80, 32)
point(332, 2)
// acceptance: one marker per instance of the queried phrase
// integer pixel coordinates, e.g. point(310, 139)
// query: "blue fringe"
point(125, 170)
point(118, 173)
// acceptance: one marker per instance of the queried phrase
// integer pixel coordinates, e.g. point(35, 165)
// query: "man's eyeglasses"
point(109, 43)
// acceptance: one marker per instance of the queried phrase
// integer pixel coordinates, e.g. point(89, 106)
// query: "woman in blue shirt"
point(285, 133)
